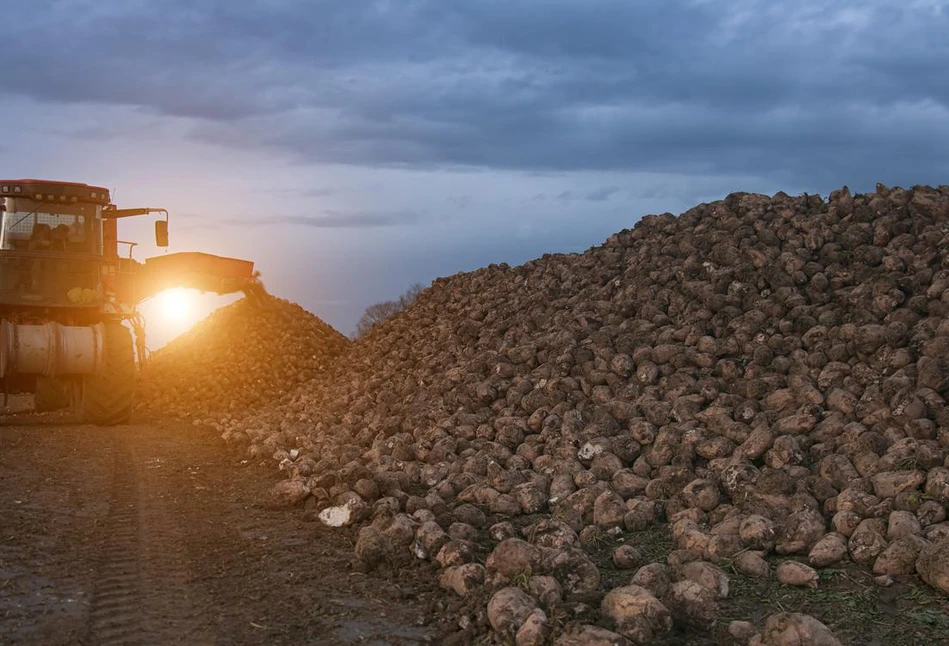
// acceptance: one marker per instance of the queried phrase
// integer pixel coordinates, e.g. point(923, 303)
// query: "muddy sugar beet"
point(764, 376)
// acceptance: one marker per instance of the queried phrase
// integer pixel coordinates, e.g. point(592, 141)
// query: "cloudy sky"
point(353, 147)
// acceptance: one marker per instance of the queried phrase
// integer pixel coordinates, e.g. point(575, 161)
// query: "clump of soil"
point(240, 358)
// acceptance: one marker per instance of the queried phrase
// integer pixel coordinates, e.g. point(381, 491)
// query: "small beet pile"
point(765, 375)
point(240, 358)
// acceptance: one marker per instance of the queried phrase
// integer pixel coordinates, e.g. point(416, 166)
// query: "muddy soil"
point(152, 534)
point(160, 534)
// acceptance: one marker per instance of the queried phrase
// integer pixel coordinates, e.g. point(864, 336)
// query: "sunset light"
point(176, 310)
point(176, 305)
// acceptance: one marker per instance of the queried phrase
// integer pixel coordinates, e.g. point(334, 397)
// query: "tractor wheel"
point(107, 396)
point(51, 394)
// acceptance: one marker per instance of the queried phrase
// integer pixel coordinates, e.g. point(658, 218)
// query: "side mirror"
point(161, 233)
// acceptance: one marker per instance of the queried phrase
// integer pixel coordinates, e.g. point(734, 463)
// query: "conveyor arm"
point(203, 271)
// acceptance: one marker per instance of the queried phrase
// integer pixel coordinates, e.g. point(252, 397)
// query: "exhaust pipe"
point(50, 350)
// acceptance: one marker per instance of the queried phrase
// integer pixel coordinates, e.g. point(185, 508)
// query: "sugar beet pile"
point(767, 375)
point(240, 358)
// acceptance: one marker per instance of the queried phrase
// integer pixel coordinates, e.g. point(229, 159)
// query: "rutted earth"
point(153, 534)
point(156, 534)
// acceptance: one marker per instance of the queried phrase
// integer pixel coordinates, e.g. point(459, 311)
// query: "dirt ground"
point(153, 534)
point(159, 534)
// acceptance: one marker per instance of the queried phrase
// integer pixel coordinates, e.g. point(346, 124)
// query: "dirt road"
point(159, 535)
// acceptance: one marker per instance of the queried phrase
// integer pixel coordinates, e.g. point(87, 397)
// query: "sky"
point(354, 148)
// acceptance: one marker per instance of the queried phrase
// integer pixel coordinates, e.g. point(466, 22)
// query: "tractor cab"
point(59, 245)
point(50, 243)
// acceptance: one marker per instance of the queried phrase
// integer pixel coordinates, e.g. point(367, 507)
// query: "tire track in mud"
point(143, 592)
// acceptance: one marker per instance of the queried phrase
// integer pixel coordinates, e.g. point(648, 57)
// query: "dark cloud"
point(351, 219)
point(303, 192)
point(326, 219)
point(806, 93)
point(460, 201)
point(601, 194)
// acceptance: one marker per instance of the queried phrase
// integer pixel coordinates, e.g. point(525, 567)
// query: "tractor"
point(68, 297)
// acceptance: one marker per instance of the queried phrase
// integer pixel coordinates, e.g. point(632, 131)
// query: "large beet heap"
point(240, 358)
point(767, 375)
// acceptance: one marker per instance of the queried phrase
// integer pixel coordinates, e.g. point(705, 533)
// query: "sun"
point(176, 305)
point(173, 312)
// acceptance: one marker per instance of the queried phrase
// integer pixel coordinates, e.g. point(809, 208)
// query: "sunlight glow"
point(176, 305)
point(175, 311)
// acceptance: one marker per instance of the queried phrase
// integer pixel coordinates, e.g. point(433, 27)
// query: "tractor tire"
point(51, 394)
point(108, 395)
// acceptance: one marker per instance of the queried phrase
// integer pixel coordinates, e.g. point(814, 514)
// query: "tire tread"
point(108, 396)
